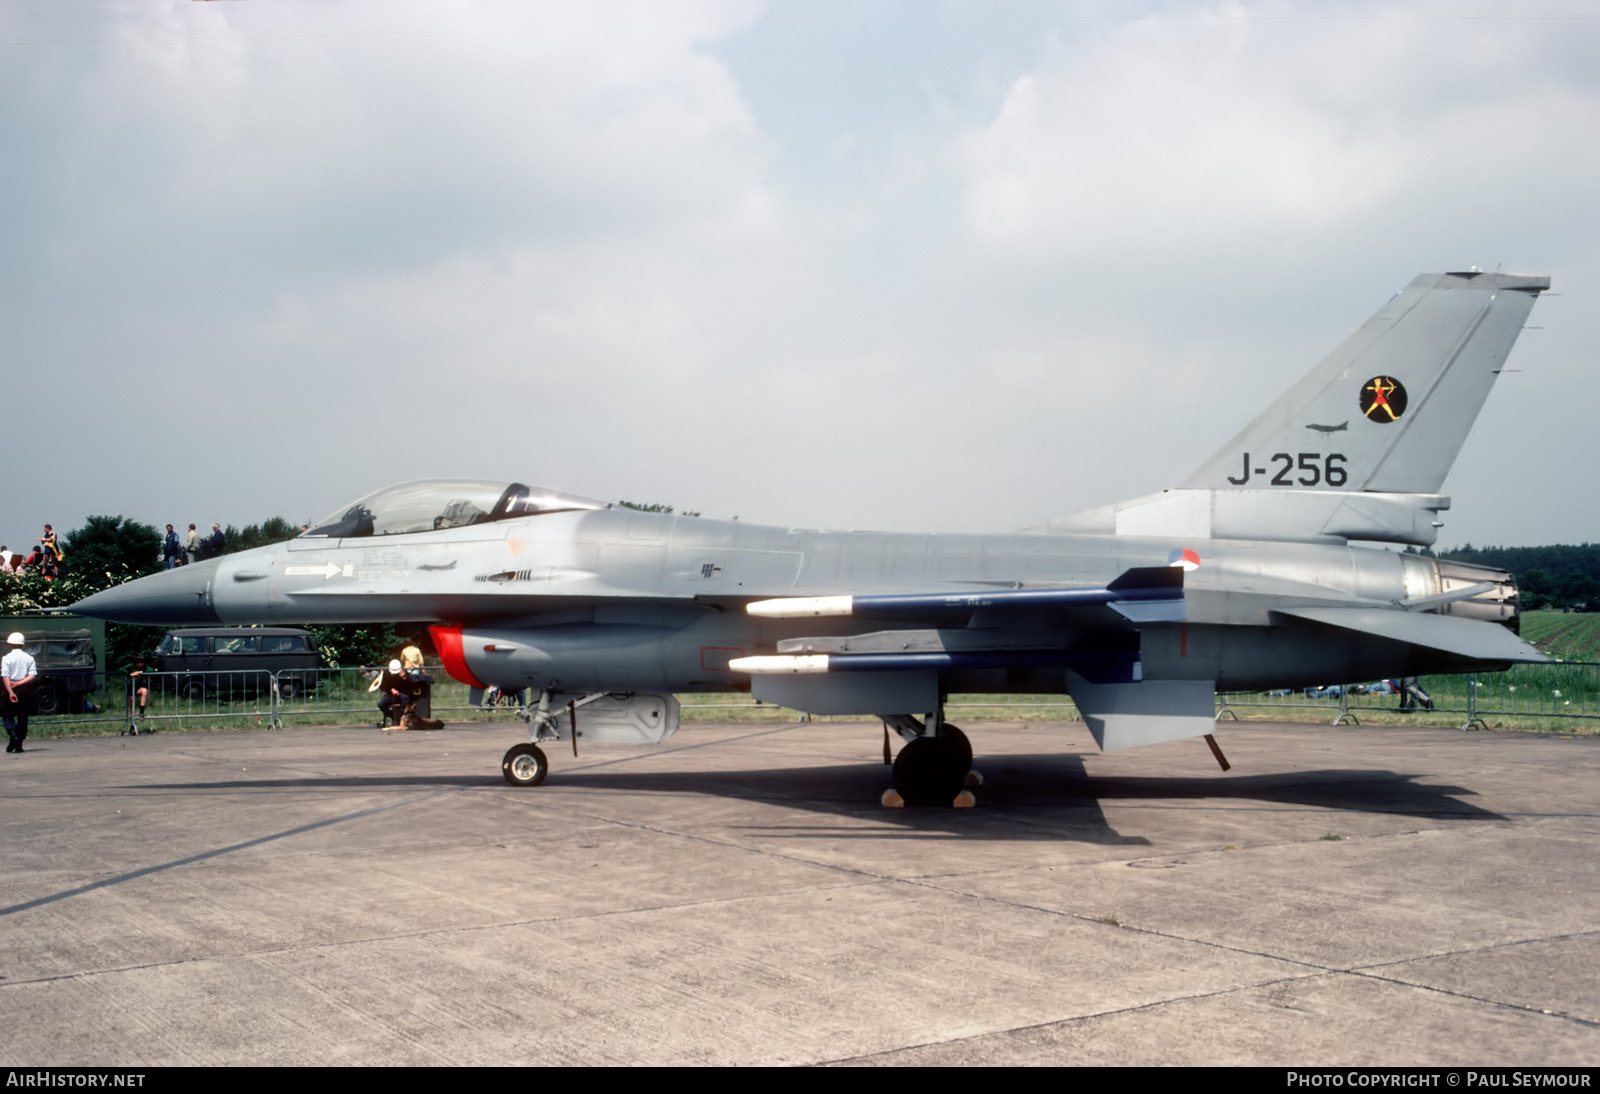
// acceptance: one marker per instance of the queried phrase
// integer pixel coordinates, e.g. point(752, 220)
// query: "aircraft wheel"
point(930, 771)
point(525, 765)
point(962, 746)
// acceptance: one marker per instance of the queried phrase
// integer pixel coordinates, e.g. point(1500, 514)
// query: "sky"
point(939, 266)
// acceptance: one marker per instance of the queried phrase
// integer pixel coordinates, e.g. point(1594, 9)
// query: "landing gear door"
point(642, 718)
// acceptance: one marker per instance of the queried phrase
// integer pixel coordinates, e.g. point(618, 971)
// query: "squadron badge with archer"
point(1383, 399)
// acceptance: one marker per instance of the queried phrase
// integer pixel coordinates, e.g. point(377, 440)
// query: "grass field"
point(1570, 636)
point(1507, 701)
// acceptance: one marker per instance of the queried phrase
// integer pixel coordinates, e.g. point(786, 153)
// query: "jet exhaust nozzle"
point(1464, 590)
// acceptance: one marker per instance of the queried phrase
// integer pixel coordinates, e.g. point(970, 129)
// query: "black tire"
point(194, 691)
point(525, 765)
point(289, 689)
point(930, 771)
point(47, 701)
point(962, 747)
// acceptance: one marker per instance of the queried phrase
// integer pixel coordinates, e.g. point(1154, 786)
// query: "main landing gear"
point(934, 766)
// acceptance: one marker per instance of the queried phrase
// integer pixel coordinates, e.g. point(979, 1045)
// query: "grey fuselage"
point(623, 600)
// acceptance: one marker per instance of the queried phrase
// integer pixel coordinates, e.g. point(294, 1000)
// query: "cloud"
point(797, 264)
point(337, 207)
point(1215, 128)
point(1212, 193)
point(359, 137)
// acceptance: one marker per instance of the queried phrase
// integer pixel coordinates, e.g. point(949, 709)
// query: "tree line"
point(109, 550)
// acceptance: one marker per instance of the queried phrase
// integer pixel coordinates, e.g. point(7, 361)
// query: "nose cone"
point(181, 595)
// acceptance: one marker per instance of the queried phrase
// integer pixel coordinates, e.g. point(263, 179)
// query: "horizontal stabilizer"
point(1470, 638)
point(1144, 713)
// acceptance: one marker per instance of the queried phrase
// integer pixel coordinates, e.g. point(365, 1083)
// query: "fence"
point(1562, 690)
point(129, 701)
point(346, 695)
point(147, 700)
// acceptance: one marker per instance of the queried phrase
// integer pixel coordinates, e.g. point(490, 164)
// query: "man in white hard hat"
point(17, 674)
point(396, 688)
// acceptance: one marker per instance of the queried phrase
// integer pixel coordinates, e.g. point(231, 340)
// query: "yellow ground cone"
point(964, 800)
point(892, 800)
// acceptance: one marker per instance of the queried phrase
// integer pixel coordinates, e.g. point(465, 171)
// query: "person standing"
point(171, 551)
point(138, 691)
point(49, 554)
point(193, 547)
point(214, 542)
point(1412, 696)
point(17, 674)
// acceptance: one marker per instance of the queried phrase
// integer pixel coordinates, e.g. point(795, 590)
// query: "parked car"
point(229, 660)
point(66, 664)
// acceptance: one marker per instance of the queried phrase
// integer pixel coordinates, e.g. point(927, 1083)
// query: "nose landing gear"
point(525, 765)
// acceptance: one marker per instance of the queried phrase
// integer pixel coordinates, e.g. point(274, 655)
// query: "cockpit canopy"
point(432, 504)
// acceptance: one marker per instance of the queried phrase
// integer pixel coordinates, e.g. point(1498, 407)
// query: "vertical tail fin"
point(1390, 408)
point(1358, 448)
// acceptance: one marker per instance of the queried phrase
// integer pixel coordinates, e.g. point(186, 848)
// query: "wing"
point(1086, 629)
point(1090, 633)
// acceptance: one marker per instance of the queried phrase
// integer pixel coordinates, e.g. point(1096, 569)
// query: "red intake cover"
point(447, 640)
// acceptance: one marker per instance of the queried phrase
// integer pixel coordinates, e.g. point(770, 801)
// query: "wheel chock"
point(892, 799)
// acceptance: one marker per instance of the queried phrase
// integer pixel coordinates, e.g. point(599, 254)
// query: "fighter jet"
point(1276, 564)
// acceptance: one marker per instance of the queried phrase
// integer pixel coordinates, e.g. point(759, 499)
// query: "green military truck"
point(67, 676)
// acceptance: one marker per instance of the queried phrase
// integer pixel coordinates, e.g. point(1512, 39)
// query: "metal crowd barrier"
point(148, 698)
point(1561, 690)
point(201, 696)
